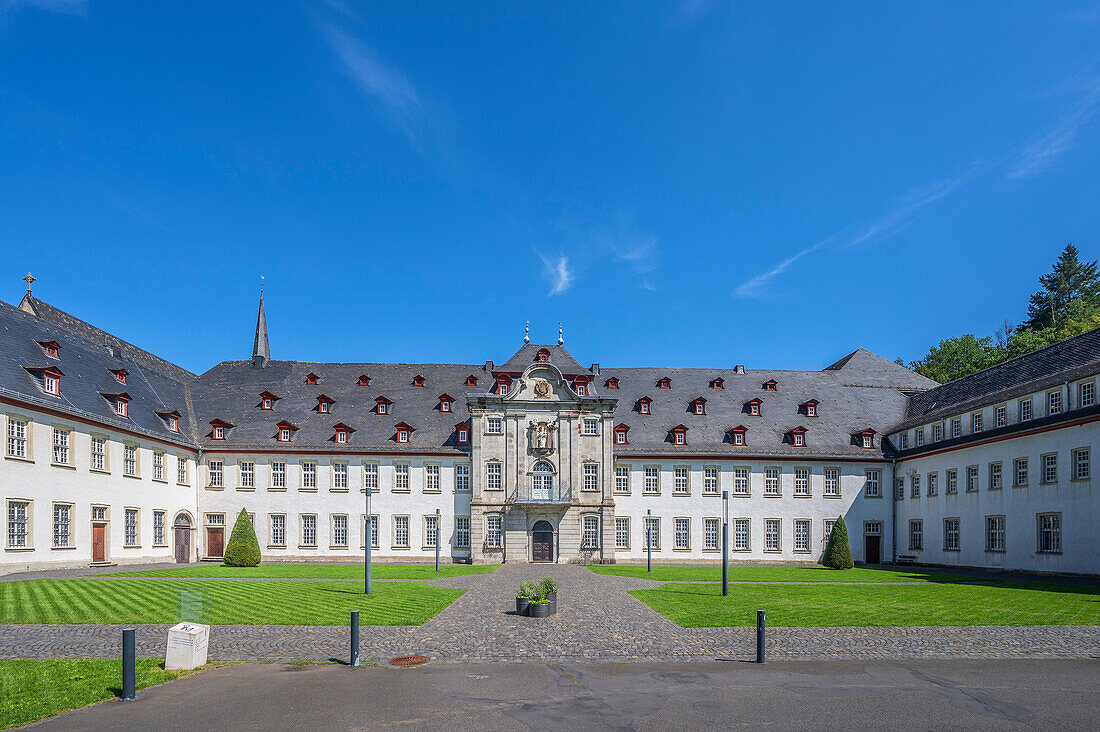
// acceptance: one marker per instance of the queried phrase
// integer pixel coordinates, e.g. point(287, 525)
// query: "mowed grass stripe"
point(316, 571)
point(925, 604)
point(230, 603)
point(775, 574)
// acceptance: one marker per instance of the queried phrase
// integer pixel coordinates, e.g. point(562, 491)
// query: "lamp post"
point(725, 543)
point(437, 520)
point(648, 540)
point(368, 529)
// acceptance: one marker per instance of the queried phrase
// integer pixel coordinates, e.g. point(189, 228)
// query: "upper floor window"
point(220, 426)
point(324, 404)
point(798, 436)
point(462, 433)
point(810, 408)
point(173, 423)
point(771, 385)
point(543, 356)
point(866, 439)
point(311, 378)
point(120, 375)
point(699, 406)
point(284, 434)
point(644, 405)
point(404, 431)
point(717, 383)
point(590, 427)
point(1000, 416)
point(445, 402)
point(267, 400)
point(679, 435)
point(580, 386)
point(51, 348)
point(364, 380)
point(502, 385)
point(919, 434)
point(937, 432)
point(382, 405)
point(418, 380)
point(1086, 394)
point(471, 380)
point(612, 383)
point(621, 434)
point(122, 408)
point(956, 427)
point(664, 383)
point(494, 425)
point(1054, 402)
point(738, 435)
point(976, 422)
point(753, 406)
point(1027, 410)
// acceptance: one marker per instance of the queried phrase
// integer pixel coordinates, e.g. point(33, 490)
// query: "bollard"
point(760, 657)
point(129, 666)
point(355, 639)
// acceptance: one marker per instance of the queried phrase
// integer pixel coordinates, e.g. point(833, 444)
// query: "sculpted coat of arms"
point(542, 389)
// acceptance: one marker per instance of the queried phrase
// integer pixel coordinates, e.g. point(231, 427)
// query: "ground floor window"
point(710, 534)
point(1081, 464)
point(309, 529)
point(771, 535)
point(994, 533)
point(1050, 533)
point(18, 520)
point(802, 535)
point(951, 535)
point(741, 535)
point(916, 534)
point(653, 532)
point(158, 529)
point(130, 527)
point(622, 532)
point(591, 532)
point(462, 532)
point(277, 530)
point(62, 525)
point(494, 531)
point(431, 527)
point(401, 531)
point(681, 533)
point(340, 530)
point(829, 524)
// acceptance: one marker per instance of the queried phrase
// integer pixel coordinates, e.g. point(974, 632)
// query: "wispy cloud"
point(1041, 153)
point(557, 272)
point(687, 11)
point(61, 7)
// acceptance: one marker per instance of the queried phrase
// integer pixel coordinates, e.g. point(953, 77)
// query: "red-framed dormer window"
point(798, 436)
point(543, 356)
point(121, 404)
point(738, 435)
point(717, 383)
point(383, 405)
point(664, 383)
point(324, 404)
point(120, 375)
point(753, 407)
point(364, 380)
point(286, 429)
point(612, 383)
point(51, 381)
point(580, 385)
point(267, 400)
point(471, 380)
point(343, 433)
point(51, 348)
point(503, 384)
point(771, 385)
point(865, 439)
point(809, 408)
point(621, 431)
point(644, 405)
point(404, 431)
point(679, 434)
point(698, 405)
point(219, 428)
point(418, 380)
point(462, 433)
point(171, 419)
point(311, 378)
point(445, 403)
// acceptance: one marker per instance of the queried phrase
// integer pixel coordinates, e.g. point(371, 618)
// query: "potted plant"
point(524, 597)
point(549, 585)
point(540, 607)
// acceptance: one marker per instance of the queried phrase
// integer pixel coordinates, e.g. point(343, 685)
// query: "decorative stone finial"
point(527, 333)
point(561, 341)
point(30, 279)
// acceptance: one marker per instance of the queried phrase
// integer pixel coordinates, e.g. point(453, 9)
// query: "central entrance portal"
point(542, 542)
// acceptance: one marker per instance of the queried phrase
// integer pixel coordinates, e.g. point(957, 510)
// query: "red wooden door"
point(214, 545)
point(99, 545)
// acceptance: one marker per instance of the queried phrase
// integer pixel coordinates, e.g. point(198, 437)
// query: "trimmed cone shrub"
point(838, 555)
point(242, 550)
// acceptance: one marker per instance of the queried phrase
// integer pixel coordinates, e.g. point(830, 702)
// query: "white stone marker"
point(187, 646)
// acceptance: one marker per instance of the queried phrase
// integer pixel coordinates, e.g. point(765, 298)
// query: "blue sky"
point(692, 184)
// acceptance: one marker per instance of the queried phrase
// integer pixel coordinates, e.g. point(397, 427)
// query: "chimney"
point(595, 369)
point(489, 366)
point(739, 368)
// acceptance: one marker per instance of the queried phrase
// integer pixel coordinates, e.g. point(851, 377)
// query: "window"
point(1081, 464)
point(266, 403)
point(62, 526)
point(98, 453)
point(493, 476)
point(1000, 416)
point(340, 476)
point(972, 478)
point(771, 535)
point(18, 524)
point(173, 423)
point(832, 481)
point(903, 439)
point(622, 479)
point(933, 484)
point(952, 482)
point(664, 383)
point(219, 433)
point(1054, 402)
point(679, 437)
point(1027, 410)
point(445, 404)
point(284, 434)
point(383, 407)
point(370, 477)
point(916, 535)
point(401, 477)
point(431, 479)
point(463, 434)
point(681, 533)
point(622, 532)
point(643, 406)
point(309, 529)
point(181, 470)
point(590, 538)
point(129, 460)
point(120, 407)
point(754, 408)
point(495, 425)
point(373, 530)
point(738, 435)
point(248, 475)
point(99, 513)
point(462, 477)
point(1050, 533)
point(653, 533)
point(956, 428)
point(278, 475)
point(976, 422)
point(919, 432)
point(699, 406)
point(1050, 468)
point(277, 531)
point(680, 481)
point(130, 527)
point(60, 446)
point(216, 470)
point(51, 384)
point(811, 409)
point(17, 438)
point(867, 441)
point(741, 481)
point(581, 387)
point(322, 407)
point(801, 481)
point(951, 535)
point(770, 385)
point(494, 537)
point(937, 432)
point(799, 439)
point(591, 427)
point(402, 435)
point(829, 524)
point(431, 526)
point(900, 490)
point(462, 532)
point(771, 481)
point(591, 476)
point(872, 486)
point(620, 434)
point(1019, 472)
point(711, 533)
point(158, 529)
point(339, 530)
point(741, 535)
point(994, 533)
point(802, 535)
point(994, 476)
point(309, 476)
point(914, 487)
point(1086, 394)
point(710, 481)
point(652, 481)
point(158, 465)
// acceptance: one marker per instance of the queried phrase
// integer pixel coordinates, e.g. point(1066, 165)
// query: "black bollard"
point(129, 666)
point(355, 639)
point(760, 657)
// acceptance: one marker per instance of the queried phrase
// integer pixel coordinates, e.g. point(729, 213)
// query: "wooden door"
point(542, 543)
point(214, 544)
point(183, 544)
point(99, 543)
point(872, 549)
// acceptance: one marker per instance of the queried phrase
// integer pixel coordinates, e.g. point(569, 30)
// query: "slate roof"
point(85, 365)
point(1055, 364)
point(528, 354)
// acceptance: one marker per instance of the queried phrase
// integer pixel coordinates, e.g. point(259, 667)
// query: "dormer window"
point(717, 383)
point(120, 375)
point(699, 406)
point(798, 436)
point(404, 431)
point(445, 402)
point(865, 439)
point(51, 348)
point(311, 378)
point(543, 356)
point(364, 380)
point(738, 435)
point(49, 377)
point(753, 407)
point(471, 380)
point(643, 405)
point(219, 433)
point(771, 385)
point(612, 383)
point(664, 383)
point(620, 434)
point(418, 380)
point(285, 430)
point(324, 404)
point(171, 419)
point(679, 434)
point(809, 408)
point(267, 400)
point(462, 433)
point(503, 383)
point(383, 405)
point(343, 432)
point(580, 386)
point(122, 405)
point(220, 426)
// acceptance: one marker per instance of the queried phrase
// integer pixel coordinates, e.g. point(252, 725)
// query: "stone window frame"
point(163, 514)
point(916, 535)
point(1021, 466)
point(684, 472)
point(332, 531)
point(621, 521)
point(778, 522)
point(27, 440)
point(461, 543)
point(499, 466)
point(585, 543)
point(712, 472)
point(399, 469)
point(69, 450)
point(376, 533)
point(242, 473)
point(808, 524)
point(271, 543)
point(868, 483)
point(303, 471)
point(622, 471)
point(1048, 468)
point(991, 532)
point(952, 525)
point(163, 465)
point(71, 544)
point(302, 542)
point(334, 471)
point(428, 470)
point(1055, 531)
point(656, 480)
point(273, 473)
point(429, 535)
point(1076, 463)
point(677, 523)
point(839, 478)
point(105, 454)
point(748, 534)
point(127, 511)
point(717, 523)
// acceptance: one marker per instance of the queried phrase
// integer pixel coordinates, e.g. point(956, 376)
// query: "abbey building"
point(113, 455)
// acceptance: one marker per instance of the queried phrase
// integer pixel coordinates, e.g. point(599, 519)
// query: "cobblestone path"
point(597, 621)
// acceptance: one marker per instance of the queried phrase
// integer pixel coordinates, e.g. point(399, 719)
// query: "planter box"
point(522, 603)
point(541, 610)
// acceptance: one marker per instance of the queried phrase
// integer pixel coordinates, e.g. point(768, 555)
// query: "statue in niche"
point(541, 437)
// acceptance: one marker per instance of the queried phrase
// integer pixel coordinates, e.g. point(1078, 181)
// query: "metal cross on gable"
point(29, 279)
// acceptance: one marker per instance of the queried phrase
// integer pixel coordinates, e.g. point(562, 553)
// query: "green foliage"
point(1069, 280)
point(315, 571)
point(549, 584)
point(540, 594)
point(838, 555)
point(800, 574)
point(954, 358)
point(243, 550)
point(527, 590)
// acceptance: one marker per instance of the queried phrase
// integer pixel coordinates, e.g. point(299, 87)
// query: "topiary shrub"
point(242, 550)
point(838, 555)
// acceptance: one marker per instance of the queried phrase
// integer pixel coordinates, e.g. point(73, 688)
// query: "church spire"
point(261, 351)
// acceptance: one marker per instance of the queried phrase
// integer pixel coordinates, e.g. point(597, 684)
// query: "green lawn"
point(246, 602)
point(317, 571)
point(665, 573)
point(924, 604)
point(32, 690)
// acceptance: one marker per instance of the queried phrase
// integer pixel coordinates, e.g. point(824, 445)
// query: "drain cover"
point(408, 660)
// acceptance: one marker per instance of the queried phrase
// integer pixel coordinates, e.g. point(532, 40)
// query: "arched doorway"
point(542, 542)
point(181, 530)
point(542, 481)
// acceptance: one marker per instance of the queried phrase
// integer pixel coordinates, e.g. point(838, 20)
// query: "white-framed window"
point(591, 476)
point(309, 529)
point(494, 425)
point(340, 476)
point(972, 478)
point(494, 531)
point(1050, 467)
point(679, 437)
point(19, 518)
point(652, 482)
point(216, 469)
point(158, 465)
point(219, 433)
point(951, 535)
point(802, 535)
point(462, 477)
point(916, 534)
point(370, 477)
point(620, 437)
point(622, 532)
point(899, 493)
point(802, 481)
point(462, 532)
point(1054, 402)
point(98, 453)
point(1000, 416)
point(937, 432)
point(994, 533)
point(903, 439)
point(741, 481)
point(771, 535)
point(1086, 394)
point(681, 533)
point(711, 533)
point(771, 481)
point(130, 460)
point(1081, 467)
point(309, 476)
point(494, 476)
point(919, 432)
point(17, 438)
point(933, 484)
point(248, 474)
point(710, 481)
point(832, 482)
point(914, 487)
point(401, 477)
point(741, 534)
point(1019, 472)
point(181, 470)
point(277, 530)
point(956, 428)
point(158, 529)
point(976, 422)
point(652, 531)
point(590, 538)
point(680, 480)
point(994, 476)
point(130, 527)
point(1027, 409)
point(373, 529)
point(1050, 533)
point(590, 427)
point(99, 513)
point(278, 475)
point(872, 484)
point(622, 479)
point(62, 525)
point(952, 481)
point(60, 446)
point(431, 524)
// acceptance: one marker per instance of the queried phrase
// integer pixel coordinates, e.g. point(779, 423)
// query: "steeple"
point(261, 351)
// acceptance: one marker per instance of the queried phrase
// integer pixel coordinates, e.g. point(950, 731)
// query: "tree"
point(838, 555)
point(243, 550)
point(954, 358)
point(1069, 280)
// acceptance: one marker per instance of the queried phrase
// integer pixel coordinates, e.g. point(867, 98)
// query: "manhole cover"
point(408, 660)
